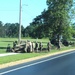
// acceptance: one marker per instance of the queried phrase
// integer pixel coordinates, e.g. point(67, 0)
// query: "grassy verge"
point(5, 41)
point(17, 57)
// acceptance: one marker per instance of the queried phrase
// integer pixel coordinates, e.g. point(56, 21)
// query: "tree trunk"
point(58, 41)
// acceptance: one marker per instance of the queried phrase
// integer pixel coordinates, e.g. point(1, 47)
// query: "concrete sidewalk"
point(7, 54)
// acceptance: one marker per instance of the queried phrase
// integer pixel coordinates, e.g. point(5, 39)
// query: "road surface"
point(62, 64)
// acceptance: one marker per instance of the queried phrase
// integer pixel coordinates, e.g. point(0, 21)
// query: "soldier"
point(14, 44)
point(49, 46)
point(25, 49)
point(33, 46)
point(59, 44)
point(9, 48)
point(30, 45)
point(40, 46)
point(36, 46)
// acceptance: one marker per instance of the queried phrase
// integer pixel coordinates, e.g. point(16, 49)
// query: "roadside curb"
point(32, 59)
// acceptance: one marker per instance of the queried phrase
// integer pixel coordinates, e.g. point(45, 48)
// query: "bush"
point(65, 43)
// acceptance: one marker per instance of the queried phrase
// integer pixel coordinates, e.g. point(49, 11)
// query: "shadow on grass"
point(3, 47)
point(6, 41)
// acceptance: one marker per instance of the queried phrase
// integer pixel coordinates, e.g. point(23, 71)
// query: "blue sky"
point(9, 10)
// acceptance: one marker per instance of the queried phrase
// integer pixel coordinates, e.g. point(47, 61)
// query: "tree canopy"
point(53, 22)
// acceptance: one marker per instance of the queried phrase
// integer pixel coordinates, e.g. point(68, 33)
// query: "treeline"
point(54, 22)
point(34, 30)
point(10, 29)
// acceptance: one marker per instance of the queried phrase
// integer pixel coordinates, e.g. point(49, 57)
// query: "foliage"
point(10, 30)
point(53, 22)
point(73, 30)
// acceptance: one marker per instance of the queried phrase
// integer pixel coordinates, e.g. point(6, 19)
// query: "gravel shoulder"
point(32, 59)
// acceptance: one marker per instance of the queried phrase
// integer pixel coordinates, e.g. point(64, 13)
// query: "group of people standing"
point(33, 46)
point(36, 46)
point(28, 46)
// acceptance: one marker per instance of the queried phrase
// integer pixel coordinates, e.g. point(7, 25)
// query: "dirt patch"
point(32, 59)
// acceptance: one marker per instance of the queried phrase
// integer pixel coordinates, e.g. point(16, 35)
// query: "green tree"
point(12, 30)
point(58, 17)
point(73, 30)
point(2, 33)
point(7, 30)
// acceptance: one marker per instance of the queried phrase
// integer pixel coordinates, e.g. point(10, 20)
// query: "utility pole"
point(20, 13)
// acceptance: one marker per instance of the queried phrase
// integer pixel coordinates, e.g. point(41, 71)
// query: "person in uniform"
point(49, 46)
point(36, 47)
point(40, 46)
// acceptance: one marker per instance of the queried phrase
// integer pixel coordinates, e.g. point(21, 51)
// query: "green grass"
point(17, 57)
point(12, 58)
point(5, 41)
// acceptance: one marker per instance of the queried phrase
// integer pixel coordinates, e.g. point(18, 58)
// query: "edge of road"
point(32, 59)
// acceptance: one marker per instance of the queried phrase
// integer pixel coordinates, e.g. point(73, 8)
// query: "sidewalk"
point(6, 54)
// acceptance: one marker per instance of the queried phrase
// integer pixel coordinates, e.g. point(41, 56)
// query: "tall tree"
point(1, 29)
point(58, 16)
point(12, 30)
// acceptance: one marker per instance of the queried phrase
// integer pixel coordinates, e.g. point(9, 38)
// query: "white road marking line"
point(35, 63)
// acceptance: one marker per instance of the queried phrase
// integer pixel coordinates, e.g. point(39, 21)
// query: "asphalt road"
point(62, 64)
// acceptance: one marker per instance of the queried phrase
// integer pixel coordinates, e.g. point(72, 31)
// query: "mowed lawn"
point(5, 41)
